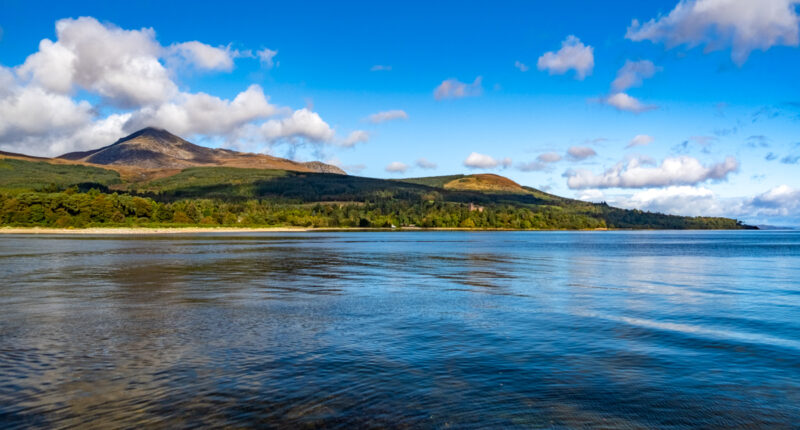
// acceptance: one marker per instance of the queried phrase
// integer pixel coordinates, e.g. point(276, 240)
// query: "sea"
point(401, 329)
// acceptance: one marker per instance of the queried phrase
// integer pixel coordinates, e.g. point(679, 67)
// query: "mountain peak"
point(159, 134)
point(156, 148)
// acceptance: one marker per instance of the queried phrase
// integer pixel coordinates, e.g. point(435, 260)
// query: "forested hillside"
point(57, 195)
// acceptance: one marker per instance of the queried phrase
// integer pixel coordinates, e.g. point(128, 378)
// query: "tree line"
point(72, 208)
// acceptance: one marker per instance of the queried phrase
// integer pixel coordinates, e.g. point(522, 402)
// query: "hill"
point(50, 194)
point(152, 148)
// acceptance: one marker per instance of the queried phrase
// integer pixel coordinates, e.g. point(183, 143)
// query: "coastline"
point(192, 230)
point(145, 230)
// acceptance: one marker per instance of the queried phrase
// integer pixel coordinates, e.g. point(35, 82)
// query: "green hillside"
point(38, 193)
point(37, 175)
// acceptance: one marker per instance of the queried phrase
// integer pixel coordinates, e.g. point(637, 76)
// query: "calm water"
point(412, 329)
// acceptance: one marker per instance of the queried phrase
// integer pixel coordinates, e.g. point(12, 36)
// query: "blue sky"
point(550, 95)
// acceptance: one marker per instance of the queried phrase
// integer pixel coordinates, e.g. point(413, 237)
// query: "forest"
point(67, 196)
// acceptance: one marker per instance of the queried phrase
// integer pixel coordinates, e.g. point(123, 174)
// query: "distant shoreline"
point(191, 230)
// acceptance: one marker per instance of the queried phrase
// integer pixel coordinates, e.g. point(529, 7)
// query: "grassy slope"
point(236, 184)
point(37, 175)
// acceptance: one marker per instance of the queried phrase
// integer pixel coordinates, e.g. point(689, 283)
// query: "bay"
point(647, 329)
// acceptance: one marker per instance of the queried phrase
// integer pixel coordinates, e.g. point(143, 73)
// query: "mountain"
point(66, 192)
point(153, 148)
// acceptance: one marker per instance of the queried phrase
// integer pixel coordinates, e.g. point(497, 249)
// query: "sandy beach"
point(144, 230)
point(192, 230)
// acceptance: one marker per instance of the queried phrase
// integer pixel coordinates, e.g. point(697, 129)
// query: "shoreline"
point(192, 230)
point(199, 230)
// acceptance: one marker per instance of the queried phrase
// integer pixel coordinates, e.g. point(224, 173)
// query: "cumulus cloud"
point(267, 57)
point(640, 140)
point(396, 167)
point(682, 170)
point(455, 89)
point(782, 200)
point(423, 163)
point(482, 161)
point(778, 205)
point(579, 153)
point(674, 200)
point(742, 25)
point(203, 56)
point(122, 66)
point(388, 115)
point(202, 113)
point(573, 55)
point(132, 72)
point(303, 124)
point(34, 121)
point(624, 102)
point(632, 74)
point(33, 111)
point(682, 200)
point(521, 66)
point(355, 137)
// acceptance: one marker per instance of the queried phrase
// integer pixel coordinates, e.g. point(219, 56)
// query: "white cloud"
point(482, 161)
point(675, 200)
point(781, 199)
point(380, 68)
point(573, 55)
point(423, 163)
point(521, 66)
point(455, 89)
point(779, 205)
point(355, 137)
point(52, 67)
point(632, 74)
point(640, 140)
point(595, 196)
point(549, 157)
point(682, 170)
point(579, 153)
point(678, 200)
point(387, 116)
point(624, 102)
point(36, 122)
point(303, 124)
point(397, 167)
point(126, 69)
point(32, 111)
point(742, 25)
point(267, 57)
point(203, 56)
point(120, 65)
point(202, 113)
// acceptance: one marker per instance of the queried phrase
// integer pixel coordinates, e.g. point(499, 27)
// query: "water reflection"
point(670, 330)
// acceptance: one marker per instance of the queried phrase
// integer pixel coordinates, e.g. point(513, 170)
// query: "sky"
point(687, 107)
